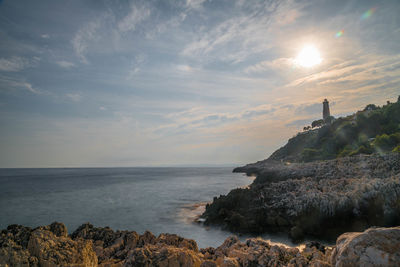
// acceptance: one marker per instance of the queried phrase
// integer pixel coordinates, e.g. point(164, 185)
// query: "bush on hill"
point(373, 130)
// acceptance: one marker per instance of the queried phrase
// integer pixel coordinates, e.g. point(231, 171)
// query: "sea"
point(161, 200)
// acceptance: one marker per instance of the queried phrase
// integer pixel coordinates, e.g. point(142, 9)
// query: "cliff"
point(316, 199)
point(91, 246)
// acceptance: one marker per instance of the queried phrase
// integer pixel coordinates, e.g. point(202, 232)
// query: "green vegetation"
point(373, 130)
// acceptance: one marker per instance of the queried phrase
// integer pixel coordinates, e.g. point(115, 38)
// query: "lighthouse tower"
point(325, 111)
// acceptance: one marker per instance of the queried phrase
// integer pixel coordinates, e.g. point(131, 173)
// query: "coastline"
point(320, 199)
point(95, 246)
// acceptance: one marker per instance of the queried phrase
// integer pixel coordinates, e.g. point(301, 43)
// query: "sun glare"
point(308, 57)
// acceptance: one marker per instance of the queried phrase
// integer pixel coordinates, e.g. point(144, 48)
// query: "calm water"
point(139, 199)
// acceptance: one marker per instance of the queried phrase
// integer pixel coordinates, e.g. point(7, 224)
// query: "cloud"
point(280, 63)
point(198, 118)
point(286, 17)
point(194, 4)
point(235, 39)
point(65, 64)
point(81, 40)
point(298, 123)
point(364, 69)
point(313, 108)
point(76, 97)
point(136, 15)
point(13, 64)
point(45, 36)
point(8, 83)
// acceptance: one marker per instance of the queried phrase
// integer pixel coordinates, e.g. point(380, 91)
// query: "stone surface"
point(320, 199)
point(52, 250)
point(97, 246)
point(374, 247)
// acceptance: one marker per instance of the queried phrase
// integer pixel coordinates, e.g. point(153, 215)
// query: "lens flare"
point(368, 13)
point(339, 34)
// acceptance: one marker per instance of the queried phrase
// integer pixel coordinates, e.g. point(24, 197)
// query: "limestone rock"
point(374, 247)
point(52, 250)
point(321, 199)
point(153, 255)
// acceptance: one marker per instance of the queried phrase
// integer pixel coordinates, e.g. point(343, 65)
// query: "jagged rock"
point(367, 166)
point(374, 247)
point(52, 250)
point(13, 244)
point(177, 241)
point(321, 199)
point(59, 229)
point(12, 254)
point(153, 255)
point(18, 233)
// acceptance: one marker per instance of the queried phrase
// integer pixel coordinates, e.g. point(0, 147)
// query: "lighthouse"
point(325, 111)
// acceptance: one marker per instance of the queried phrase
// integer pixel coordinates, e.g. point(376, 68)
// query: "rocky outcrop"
point(44, 246)
point(96, 246)
point(125, 247)
point(53, 250)
point(374, 247)
point(360, 166)
point(321, 199)
point(258, 252)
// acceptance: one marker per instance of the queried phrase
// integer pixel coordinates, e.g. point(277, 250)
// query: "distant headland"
point(341, 175)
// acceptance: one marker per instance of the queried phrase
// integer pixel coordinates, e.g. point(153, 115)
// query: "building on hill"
point(325, 111)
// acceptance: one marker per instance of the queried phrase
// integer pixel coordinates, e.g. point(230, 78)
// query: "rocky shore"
point(319, 199)
point(91, 246)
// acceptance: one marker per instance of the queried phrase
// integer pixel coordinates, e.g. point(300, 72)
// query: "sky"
point(98, 83)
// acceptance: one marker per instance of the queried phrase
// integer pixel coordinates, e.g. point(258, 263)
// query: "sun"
point(308, 57)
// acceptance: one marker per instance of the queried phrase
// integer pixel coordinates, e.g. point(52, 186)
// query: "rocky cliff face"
point(321, 199)
point(91, 246)
point(360, 166)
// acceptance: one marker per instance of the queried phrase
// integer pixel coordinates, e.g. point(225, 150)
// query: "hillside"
point(372, 130)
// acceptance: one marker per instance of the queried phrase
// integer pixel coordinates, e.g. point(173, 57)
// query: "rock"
point(374, 247)
point(96, 246)
point(208, 264)
point(59, 229)
point(320, 199)
point(152, 255)
point(177, 241)
point(123, 247)
point(20, 234)
point(12, 254)
point(52, 250)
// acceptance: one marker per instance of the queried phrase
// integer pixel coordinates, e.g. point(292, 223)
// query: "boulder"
point(374, 247)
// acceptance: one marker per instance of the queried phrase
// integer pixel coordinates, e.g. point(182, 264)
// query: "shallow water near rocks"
point(161, 200)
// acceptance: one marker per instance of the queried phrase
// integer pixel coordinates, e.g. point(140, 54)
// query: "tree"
point(370, 107)
point(317, 123)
